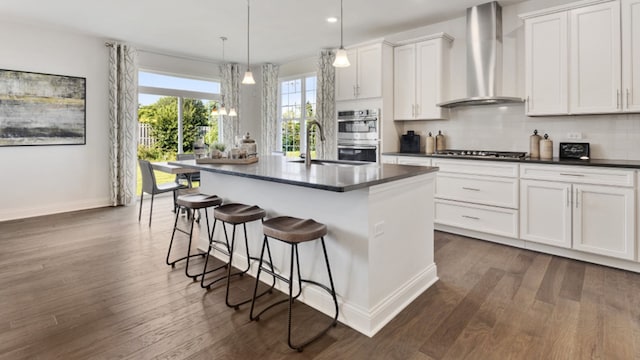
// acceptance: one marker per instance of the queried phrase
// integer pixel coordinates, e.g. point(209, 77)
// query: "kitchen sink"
point(333, 162)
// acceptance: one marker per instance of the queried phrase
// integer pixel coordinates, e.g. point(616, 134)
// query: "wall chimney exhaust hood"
point(484, 58)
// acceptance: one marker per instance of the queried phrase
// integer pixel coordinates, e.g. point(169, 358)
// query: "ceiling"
point(281, 30)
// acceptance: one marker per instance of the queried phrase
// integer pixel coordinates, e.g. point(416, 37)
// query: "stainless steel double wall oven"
point(359, 135)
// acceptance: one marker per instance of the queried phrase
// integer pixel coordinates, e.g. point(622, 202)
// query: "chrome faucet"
point(307, 155)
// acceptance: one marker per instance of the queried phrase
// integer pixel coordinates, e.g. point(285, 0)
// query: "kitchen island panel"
point(377, 272)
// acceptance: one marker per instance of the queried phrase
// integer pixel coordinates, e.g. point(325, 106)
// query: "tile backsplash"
point(506, 128)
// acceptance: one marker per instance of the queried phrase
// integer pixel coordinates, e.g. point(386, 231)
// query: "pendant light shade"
point(222, 110)
point(232, 112)
point(248, 76)
point(341, 54)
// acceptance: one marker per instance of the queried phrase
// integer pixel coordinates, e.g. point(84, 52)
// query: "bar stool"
point(234, 214)
point(191, 202)
point(294, 231)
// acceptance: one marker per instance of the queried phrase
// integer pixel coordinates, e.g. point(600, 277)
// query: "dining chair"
point(189, 178)
point(150, 186)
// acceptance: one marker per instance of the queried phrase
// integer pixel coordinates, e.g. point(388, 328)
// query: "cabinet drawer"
point(478, 189)
point(579, 174)
point(481, 218)
point(414, 160)
point(477, 167)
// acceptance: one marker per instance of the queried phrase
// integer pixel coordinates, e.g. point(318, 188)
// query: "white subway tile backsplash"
point(506, 128)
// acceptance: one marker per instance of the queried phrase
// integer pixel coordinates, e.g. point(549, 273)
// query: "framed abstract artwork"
point(42, 109)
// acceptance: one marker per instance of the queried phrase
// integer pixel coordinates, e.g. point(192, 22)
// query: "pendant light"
point(341, 54)
point(248, 76)
point(222, 110)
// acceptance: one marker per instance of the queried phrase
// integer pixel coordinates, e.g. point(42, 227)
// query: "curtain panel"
point(230, 88)
point(270, 128)
point(123, 122)
point(326, 105)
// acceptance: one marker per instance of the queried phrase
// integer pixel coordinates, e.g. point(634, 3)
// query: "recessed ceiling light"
point(332, 19)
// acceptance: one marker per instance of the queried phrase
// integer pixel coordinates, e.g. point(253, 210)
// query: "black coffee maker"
point(410, 142)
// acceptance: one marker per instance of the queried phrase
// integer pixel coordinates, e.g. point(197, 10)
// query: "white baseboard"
point(365, 321)
point(49, 209)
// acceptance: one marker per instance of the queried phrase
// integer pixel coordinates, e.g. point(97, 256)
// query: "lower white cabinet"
point(414, 160)
point(486, 219)
point(388, 159)
point(598, 219)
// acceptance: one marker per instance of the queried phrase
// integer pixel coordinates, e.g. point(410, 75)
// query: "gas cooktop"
point(483, 154)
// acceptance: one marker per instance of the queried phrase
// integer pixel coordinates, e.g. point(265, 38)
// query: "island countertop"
point(330, 176)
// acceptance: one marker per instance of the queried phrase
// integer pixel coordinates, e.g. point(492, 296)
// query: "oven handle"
point(358, 147)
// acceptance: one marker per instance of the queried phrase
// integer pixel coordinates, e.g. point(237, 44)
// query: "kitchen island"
point(380, 222)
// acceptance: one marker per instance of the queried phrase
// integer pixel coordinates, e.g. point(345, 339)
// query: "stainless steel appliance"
point(482, 154)
point(358, 135)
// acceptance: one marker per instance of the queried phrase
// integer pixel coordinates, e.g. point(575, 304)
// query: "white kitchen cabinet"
point(363, 79)
point(574, 214)
point(414, 160)
point(583, 59)
point(630, 10)
point(545, 212)
point(546, 62)
point(477, 195)
point(595, 59)
point(421, 78)
point(388, 159)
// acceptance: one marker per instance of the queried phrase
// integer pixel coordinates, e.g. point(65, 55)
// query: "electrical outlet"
point(574, 136)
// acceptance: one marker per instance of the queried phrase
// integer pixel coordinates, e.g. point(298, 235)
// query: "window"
point(174, 112)
point(297, 105)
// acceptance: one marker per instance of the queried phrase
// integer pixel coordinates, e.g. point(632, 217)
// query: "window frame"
point(303, 118)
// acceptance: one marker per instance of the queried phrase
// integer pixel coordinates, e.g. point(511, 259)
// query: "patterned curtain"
point(269, 139)
point(123, 122)
point(326, 105)
point(230, 88)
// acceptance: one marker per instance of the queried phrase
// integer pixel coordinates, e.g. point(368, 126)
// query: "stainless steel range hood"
point(484, 58)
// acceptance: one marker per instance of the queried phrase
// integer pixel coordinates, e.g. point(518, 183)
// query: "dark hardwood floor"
point(93, 285)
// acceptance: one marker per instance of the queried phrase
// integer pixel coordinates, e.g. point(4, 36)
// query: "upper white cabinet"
point(546, 62)
point(630, 10)
point(579, 61)
point(595, 59)
point(421, 78)
point(363, 79)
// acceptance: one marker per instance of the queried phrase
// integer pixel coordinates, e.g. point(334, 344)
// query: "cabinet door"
point(369, 81)
point(631, 54)
point(546, 63)
point(545, 212)
point(404, 82)
point(429, 75)
point(604, 220)
point(346, 78)
point(595, 59)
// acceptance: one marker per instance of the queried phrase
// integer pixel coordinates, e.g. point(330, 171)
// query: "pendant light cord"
point(341, 29)
point(248, 21)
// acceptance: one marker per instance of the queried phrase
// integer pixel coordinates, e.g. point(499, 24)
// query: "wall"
point(506, 127)
point(40, 180)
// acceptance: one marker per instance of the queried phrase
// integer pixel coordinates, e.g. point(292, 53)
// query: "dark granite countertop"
point(330, 177)
point(629, 164)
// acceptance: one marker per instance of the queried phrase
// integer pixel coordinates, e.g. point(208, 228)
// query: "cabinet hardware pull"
point(354, 91)
point(618, 99)
point(527, 103)
point(564, 174)
point(577, 197)
point(470, 189)
point(471, 217)
point(568, 198)
point(627, 99)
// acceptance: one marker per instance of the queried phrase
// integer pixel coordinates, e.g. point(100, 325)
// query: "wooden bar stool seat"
point(234, 214)
point(293, 231)
point(191, 202)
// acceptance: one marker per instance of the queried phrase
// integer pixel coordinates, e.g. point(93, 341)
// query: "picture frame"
point(42, 109)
